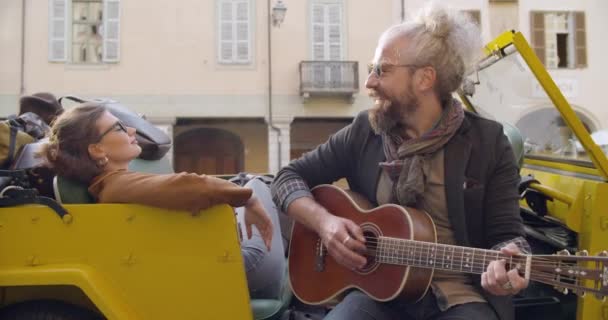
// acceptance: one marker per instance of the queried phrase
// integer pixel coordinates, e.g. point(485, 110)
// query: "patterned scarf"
point(407, 158)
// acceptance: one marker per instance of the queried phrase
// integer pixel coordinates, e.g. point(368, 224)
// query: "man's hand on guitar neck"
point(497, 281)
point(343, 238)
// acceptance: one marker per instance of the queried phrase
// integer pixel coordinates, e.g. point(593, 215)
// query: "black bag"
point(39, 175)
point(15, 190)
point(17, 132)
point(154, 142)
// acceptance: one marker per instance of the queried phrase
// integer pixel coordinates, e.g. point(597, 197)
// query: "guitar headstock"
point(604, 277)
point(580, 273)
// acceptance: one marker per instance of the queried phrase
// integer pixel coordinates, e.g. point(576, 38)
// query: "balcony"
point(329, 78)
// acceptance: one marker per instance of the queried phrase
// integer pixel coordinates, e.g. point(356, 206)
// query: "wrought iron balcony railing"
point(329, 78)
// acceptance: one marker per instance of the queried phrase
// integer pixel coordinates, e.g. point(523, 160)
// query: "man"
point(417, 147)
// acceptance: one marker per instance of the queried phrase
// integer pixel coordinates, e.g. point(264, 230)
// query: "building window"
point(559, 39)
point(234, 27)
point(475, 16)
point(84, 31)
point(327, 40)
point(326, 25)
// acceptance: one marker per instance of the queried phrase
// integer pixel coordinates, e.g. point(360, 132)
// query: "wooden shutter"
point(334, 31)
point(111, 30)
point(327, 31)
point(58, 26)
point(225, 53)
point(318, 32)
point(241, 27)
point(537, 24)
point(234, 31)
point(580, 40)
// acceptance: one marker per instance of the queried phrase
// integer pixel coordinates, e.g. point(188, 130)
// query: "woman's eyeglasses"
point(118, 126)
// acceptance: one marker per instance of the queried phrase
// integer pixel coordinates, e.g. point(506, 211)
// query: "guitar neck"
point(442, 256)
point(561, 271)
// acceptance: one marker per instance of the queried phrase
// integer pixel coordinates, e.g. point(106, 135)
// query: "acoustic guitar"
point(402, 254)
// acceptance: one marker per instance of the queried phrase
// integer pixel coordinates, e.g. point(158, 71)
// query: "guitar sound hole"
point(371, 241)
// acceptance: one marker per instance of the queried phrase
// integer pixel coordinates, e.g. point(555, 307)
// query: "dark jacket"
point(481, 178)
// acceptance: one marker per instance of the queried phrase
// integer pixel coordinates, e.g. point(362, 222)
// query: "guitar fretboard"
point(441, 256)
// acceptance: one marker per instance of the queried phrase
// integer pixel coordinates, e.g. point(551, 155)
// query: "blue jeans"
point(265, 269)
point(358, 306)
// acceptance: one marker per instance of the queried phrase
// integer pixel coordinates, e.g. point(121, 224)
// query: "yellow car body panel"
point(131, 261)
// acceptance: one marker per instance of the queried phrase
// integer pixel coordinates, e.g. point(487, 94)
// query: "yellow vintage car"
point(118, 261)
point(123, 261)
point(564, 188)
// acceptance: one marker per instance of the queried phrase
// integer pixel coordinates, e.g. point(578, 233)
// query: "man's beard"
point(387, 114)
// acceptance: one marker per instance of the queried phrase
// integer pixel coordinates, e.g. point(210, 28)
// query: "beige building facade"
point(236, 92)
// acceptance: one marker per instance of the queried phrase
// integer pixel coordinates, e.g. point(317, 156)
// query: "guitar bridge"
point(320, 256)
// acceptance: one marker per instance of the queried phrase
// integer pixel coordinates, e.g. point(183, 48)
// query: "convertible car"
point(83, 260)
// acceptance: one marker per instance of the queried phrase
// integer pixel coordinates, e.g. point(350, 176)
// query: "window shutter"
point(334, 34)
point(58, 19)
point(580, 40)
point(234, 31)
point(242, 32)
point(537, 23)
point(318, 32)
point(111, 30)
point(226, 32)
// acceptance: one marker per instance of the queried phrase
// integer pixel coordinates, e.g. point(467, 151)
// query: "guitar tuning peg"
point(582, 253)
point(563, 253)
point(561, 289)
point(603, 254)
point(600, 297)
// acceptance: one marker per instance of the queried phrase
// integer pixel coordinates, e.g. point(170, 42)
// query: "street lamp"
point(278, 13)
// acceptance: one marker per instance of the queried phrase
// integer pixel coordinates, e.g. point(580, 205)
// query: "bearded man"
point(417, 147)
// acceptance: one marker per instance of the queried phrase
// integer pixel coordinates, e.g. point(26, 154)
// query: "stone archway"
point(209, 151)
point(545, 128)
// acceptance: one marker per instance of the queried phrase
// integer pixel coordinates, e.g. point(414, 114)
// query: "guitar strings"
point(408, 244)
point(551, 278)
point(472, 263)
point(392, 251)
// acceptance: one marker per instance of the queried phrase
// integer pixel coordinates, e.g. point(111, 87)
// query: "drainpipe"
point(21, 71)
point(270, 122)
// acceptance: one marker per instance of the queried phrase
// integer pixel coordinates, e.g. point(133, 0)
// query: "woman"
point(90, 145)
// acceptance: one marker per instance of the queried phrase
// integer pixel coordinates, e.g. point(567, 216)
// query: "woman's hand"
point(255, 214)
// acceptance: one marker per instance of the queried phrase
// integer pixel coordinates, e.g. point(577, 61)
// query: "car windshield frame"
point(513, 45)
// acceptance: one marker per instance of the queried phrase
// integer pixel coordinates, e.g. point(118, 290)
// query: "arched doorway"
point(544, 129)
point(209, 151)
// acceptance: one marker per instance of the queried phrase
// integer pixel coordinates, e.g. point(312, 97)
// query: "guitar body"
point(317, 278)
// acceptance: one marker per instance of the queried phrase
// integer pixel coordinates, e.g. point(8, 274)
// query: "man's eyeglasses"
point(118, 126)
point(379, 68)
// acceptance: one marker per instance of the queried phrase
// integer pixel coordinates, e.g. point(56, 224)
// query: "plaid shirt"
point(289, 191)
